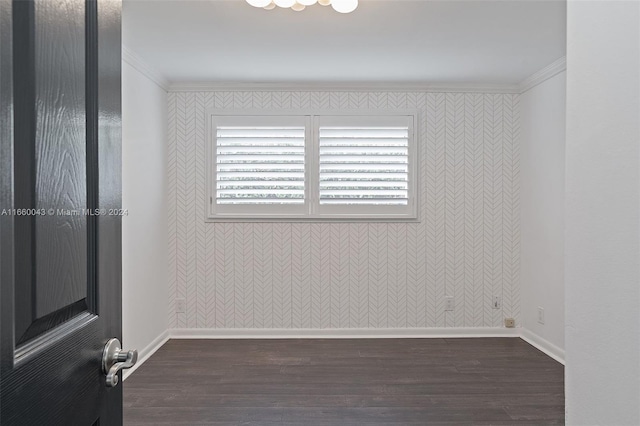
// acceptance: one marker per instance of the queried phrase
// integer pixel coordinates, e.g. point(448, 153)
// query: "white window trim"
point(312, 167)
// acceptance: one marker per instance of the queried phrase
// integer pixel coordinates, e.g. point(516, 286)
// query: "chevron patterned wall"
point(356, 275)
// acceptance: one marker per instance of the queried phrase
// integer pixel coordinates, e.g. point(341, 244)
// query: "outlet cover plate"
point(448, 303)
point(181, 306)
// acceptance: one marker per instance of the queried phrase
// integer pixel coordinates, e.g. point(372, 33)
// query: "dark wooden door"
point(60, 243)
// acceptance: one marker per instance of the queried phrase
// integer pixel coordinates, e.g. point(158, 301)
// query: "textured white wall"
point(356, 275)
point(602, 213)
point(144, 194)
point(542, 165)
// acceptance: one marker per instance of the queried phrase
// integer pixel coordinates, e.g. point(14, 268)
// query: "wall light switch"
point(497, 302)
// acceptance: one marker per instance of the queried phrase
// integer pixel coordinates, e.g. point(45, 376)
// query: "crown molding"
point(543, 75)
point(340, 87)
point(530, 82)
point(132, 58)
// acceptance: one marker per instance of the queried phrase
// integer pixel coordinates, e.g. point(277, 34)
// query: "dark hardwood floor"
point(492, 381)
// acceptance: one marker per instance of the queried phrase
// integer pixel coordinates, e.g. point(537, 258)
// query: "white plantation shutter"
point(259, 165)
point(365, 165)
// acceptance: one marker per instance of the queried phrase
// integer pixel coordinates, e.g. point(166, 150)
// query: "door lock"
point(115, 359)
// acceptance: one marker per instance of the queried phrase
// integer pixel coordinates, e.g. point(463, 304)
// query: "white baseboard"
point(342, 333)
point(347, 333)
point(146, 353)
point(543, 345)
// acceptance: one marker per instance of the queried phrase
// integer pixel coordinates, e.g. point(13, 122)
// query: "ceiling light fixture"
point(342, 6)
point(285, 3)
point(259, 3)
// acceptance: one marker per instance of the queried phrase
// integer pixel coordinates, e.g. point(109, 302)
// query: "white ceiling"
point(394, 41)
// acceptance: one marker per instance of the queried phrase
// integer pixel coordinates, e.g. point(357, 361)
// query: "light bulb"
point(324, 2)
point(259, 3)
point(307, 2)
point(344, 6)
point(298, 7)
point(270, 6)
point(284, 3)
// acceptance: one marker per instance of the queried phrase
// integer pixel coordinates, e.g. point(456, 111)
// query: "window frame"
point(313, 212)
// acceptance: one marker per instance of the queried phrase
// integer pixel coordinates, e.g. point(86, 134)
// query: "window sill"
point(293, 219)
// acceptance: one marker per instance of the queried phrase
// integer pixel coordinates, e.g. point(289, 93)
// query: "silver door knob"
point(115, 359)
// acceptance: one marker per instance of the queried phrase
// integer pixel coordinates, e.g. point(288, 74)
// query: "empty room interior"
point(333, 212)
point(345, 218)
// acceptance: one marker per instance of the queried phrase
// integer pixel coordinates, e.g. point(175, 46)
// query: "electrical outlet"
point(448, 303)
point(497, 302)
point(181, 306)
point(540, 315)
point(509, 322)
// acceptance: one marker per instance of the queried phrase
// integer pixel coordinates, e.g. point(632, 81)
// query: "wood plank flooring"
point(489, 381)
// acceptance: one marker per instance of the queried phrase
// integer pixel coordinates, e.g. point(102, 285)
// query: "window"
point(312, 167)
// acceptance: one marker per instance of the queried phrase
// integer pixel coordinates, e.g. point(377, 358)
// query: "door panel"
point(58, 248)
point(61, 238)
point(60, 295)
